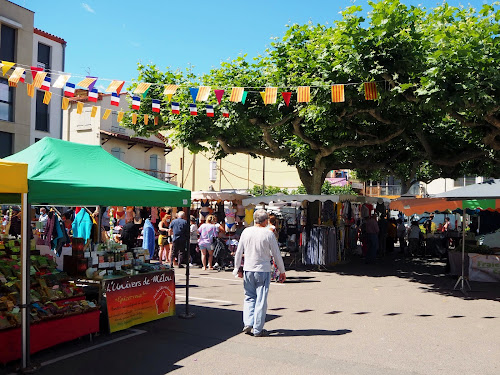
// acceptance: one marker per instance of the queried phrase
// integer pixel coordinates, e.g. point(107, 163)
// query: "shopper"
point(130, 232)
point(179, 232)
point(193, 241)
point(372, 230)
point(258, 244)
point(43, 217)
point(163, 241)
point(272, 225)
point(401, 233)
point(391, 234)
point(382, 235)
point(208, 231)
point(414, 238)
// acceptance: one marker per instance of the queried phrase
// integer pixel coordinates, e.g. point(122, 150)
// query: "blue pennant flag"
point(194, 93)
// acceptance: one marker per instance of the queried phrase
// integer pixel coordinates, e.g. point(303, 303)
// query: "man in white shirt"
point(258, 244)
point(43, 216)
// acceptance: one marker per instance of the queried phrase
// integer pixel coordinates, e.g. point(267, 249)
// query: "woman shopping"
point(208, 231)
point(164, 240)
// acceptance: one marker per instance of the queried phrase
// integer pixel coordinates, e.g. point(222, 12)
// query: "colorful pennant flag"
point(157, 120)
point(338, 95)
point(115, 99)
point(16, 75)
point(69, 89)
point(194, 93)
point(155, 105)
point(6, 65)
point(23, 77)
point(169, 97)
point(210, 110)
point(136, 102)
point(146, 119)
point(94, 111)
point(170, 89)
point(106, 114)
point(64, 103)
point(142, 88)
point(30, 89)
point(244, 97)
point(12, 84)
point(46, 97)
point(263, 96)
point(61, 81)
point(286, 97)
point(225, 113)
point(93, 95)
point(303, 94)
point(45, 84)
point(175, 108)
point(115, 86)
point(271, 93)
point(34, 71)
point(370, 90)
point(219, 94)
point(236, 94)
point(134, 118)
point(193, 111)
point(203, 93)
point(79, 108)
point(39, 78)
point(119, 118)
point(88, 82)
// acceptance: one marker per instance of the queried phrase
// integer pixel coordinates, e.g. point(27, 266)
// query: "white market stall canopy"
point(489, 189)
point(217, 195)
point(282, 198)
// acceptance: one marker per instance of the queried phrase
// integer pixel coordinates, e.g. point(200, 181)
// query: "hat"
point(138, 220)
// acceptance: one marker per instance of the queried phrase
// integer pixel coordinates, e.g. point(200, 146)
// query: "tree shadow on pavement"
point(154, 352)
point(307, 332)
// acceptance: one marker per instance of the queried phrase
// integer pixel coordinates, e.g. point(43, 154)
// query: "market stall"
point(69, 174)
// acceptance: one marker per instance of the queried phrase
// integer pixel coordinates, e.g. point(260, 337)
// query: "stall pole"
point(462, 280)
point(263, 176)
point(187, 314)
point(99, 224)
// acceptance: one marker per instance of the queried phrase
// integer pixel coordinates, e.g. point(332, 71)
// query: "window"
point(465, 181)
point(6, 141)
point(37, 139)
point(83, 121)
point(153, 165)
point(117, 152)
point(6, 101)
point(44, 56)
point(42, 113)
point(7, 43)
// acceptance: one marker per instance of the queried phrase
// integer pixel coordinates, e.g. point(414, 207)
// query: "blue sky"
point(108, 37)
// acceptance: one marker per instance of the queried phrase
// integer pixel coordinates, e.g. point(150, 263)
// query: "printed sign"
point(484, 267)
point(139, 299)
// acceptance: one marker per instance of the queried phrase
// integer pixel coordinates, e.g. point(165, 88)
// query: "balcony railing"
point(389, 190)
point(161, 175)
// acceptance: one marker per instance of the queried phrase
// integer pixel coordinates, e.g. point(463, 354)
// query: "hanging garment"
point(154, 215)
point(249, 216)
point(49, 228)
point(82, 225)
point(148, 234)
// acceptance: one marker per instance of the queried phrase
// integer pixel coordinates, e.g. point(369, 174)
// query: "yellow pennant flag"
point(263, 94)
point(203, 93)
point(6, 65)
point(12, 84)
point(146, 119)
point(236, 94)
point(94, 111)
point(16, 75)
point(338, 95)
point(119, 118)
point(79, 108)
point(64, 103)
point(271, 93)
point(142, 88)
point(61, 81)
point(157, 120)
point(170, 89)
point(40, 76)
point(134, 118)
point(46, 97)
point(85, 83)
point(303, 94)
point(107, 112)
point(370, 90)
point(169, 97)
point(30, 89)
point(115, 86)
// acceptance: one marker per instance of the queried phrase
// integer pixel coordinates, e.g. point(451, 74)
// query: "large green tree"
point(432, 116)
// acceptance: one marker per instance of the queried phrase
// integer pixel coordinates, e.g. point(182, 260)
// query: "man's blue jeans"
point(256, 285)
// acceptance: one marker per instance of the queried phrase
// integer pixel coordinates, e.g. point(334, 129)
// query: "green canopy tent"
point(68, 174)
point(72, 174)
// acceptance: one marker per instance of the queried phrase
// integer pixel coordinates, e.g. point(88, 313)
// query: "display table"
point(48, 333)
point(484, 268)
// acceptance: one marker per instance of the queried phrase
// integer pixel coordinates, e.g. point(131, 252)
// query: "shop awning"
point(217, 195)
point(69, 174)
point(14, 177)
point(310, 198)
point(489, 189)
point(418, 206)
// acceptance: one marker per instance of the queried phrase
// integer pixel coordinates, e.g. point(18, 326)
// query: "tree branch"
point(408, 96)
point(243, 150)
point(364, 143)
point(297, 130)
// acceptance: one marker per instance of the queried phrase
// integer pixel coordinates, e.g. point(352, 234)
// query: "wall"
point(442, 185)
point(24, 55)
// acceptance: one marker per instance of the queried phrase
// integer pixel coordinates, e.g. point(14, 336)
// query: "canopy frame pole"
point(187, 314)
point(462, 280)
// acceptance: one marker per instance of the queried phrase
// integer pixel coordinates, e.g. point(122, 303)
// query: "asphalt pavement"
point(395, 317)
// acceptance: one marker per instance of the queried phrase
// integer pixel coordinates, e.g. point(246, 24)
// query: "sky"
point(108, 38)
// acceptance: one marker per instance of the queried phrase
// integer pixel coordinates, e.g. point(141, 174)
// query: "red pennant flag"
point(35, 70)
point(286, 97)
point(219, 94)
point(370, 91)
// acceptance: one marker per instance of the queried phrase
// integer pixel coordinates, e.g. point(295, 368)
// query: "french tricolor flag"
point(193, 111)
point(69, 89)
point(115, 99)
point(136, 102)
point(156, 105)
point(45, 84)
point(210, 110)
point(23, 77)
point(225, 113)
point(175, 108)
point(93, 94)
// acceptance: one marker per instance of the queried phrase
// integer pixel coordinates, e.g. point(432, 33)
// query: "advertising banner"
point(484, 267)
point(139, 299)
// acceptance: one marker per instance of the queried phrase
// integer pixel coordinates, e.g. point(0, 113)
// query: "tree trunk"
point(312, 180)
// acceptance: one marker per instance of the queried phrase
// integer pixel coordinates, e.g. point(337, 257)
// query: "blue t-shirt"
point(180, 229)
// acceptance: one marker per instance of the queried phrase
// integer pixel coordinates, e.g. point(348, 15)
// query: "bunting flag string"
point(244, 97)
point(115, 86)
point(157, 120)
point(16, 75)
point(203, 93)
point(12, 84)
point(93, 95)
point(61, 81)
point(271, 93)
point(194, 93)
point(6, 66)
point(286, 97)
point(46, 97)
point(34, 71)
point(303, 94)
point(106, 114)
point(176, 108)
point(45, 84)
point(119, 118)
point(170, 89)
point(39, 78)
point(65, 103)
point(225, 113)
point(136, 102)
point(94, 111)
point(79, 108)
point(142, 88)
point(134, 118)
point(338, 94)
point(370, 90)
point(155, 105)
point(193, 111)
point(210, 110)
point(87, 83)
point(69, 89)
point(169, 97)
point(219, 94)
point(115, 99)
point(30, 89)
point(236, 94)
point(146, 119)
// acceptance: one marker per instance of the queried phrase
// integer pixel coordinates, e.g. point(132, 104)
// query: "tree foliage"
point(437, 111)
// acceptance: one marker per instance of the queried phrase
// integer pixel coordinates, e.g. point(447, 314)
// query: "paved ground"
point(399, 317)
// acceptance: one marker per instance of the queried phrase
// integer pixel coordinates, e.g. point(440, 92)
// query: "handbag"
point(214, 239)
